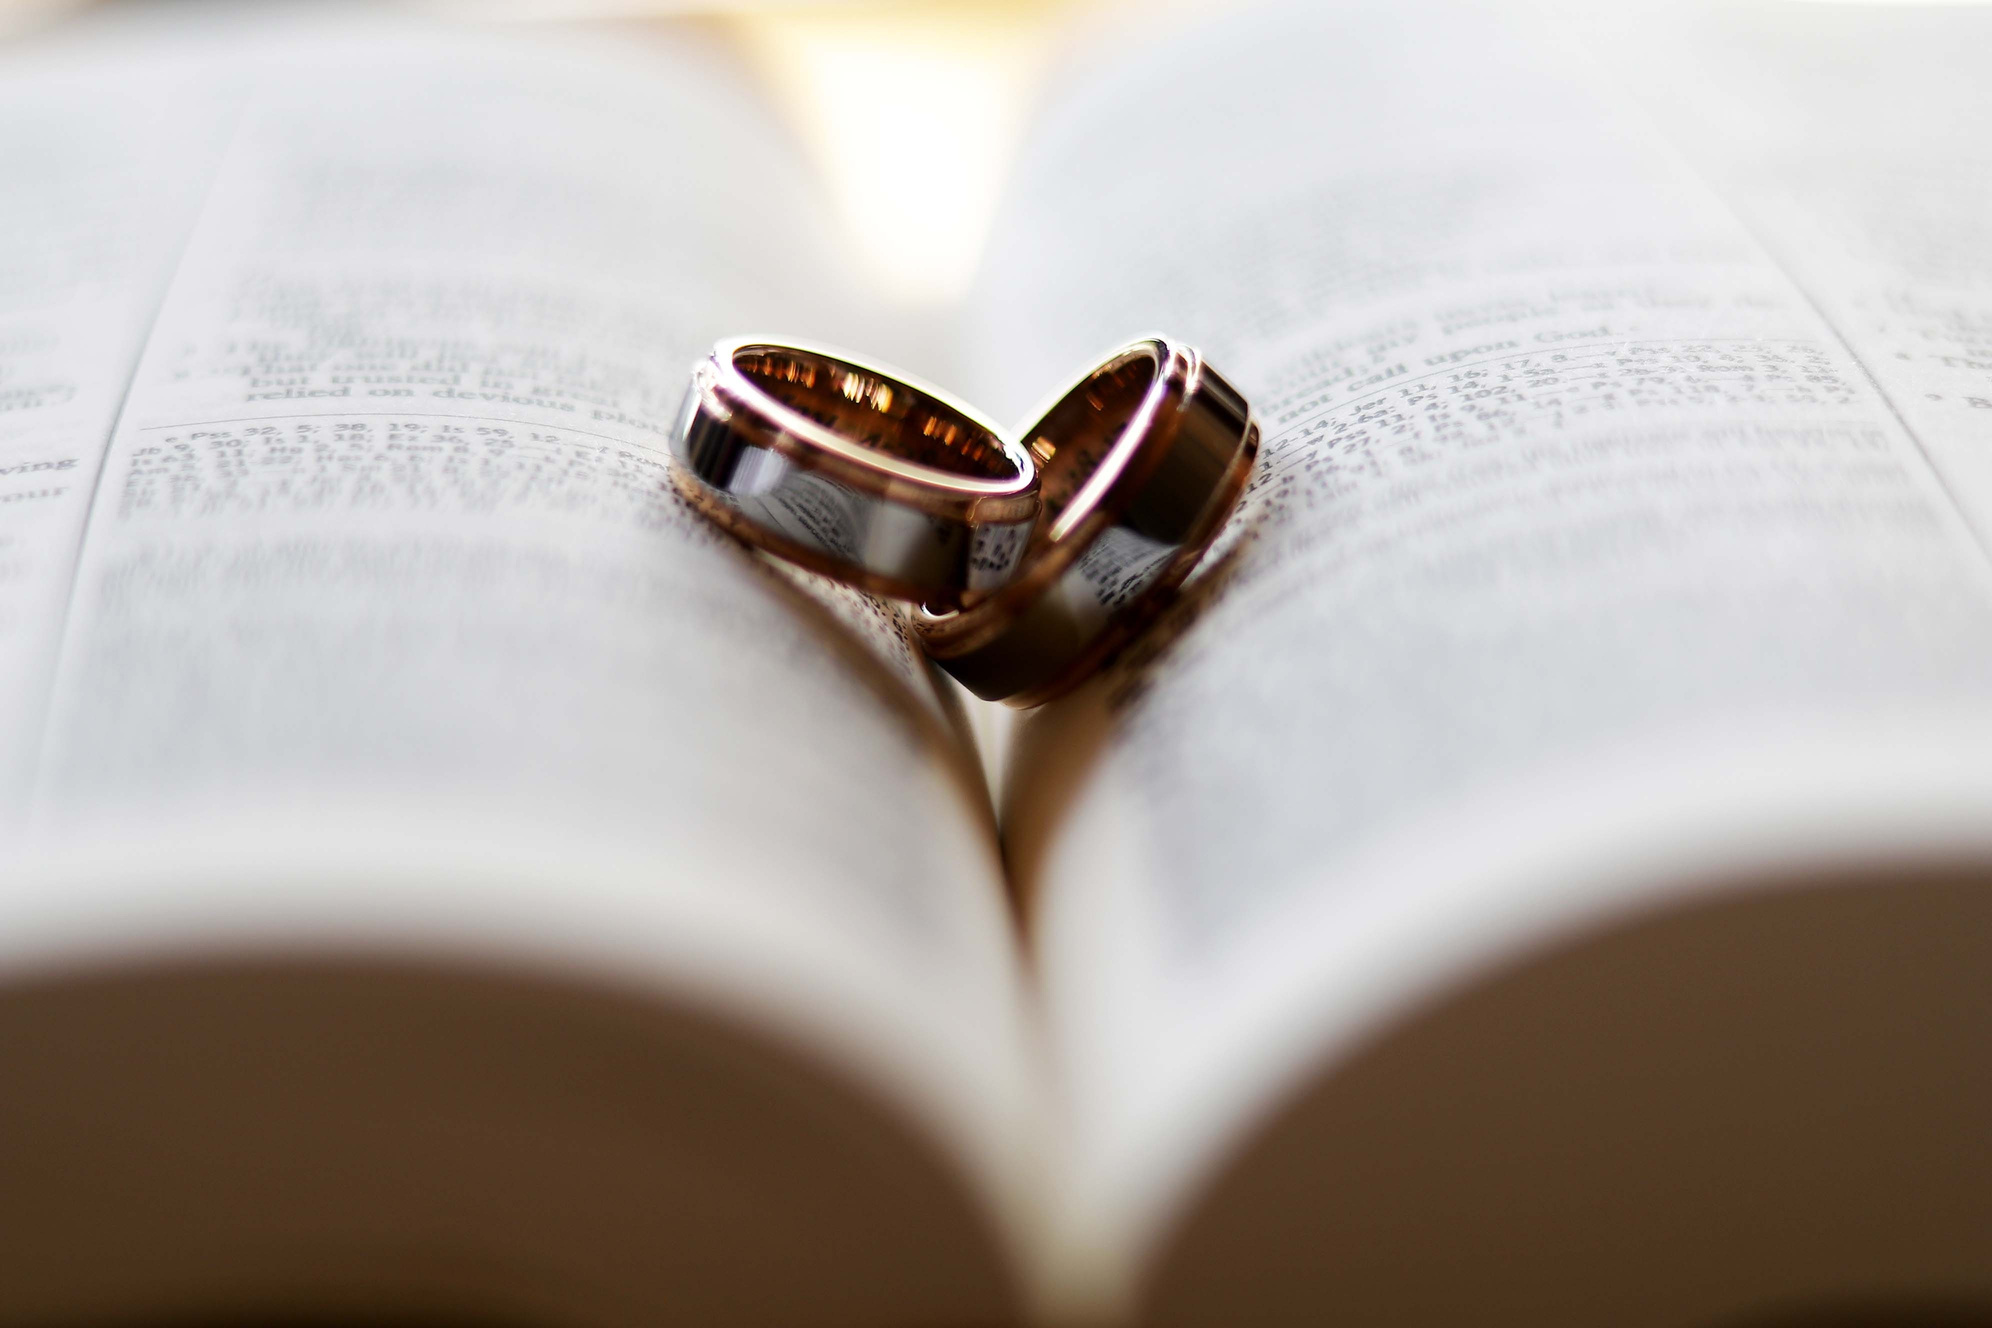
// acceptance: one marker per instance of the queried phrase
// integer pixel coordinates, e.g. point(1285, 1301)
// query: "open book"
point(1536, 875)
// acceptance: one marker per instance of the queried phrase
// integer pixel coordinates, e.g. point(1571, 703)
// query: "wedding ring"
point(854, 471)
point(1139, 464)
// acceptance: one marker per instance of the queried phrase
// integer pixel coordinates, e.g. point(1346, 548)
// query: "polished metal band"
point(854, 471)
point(1139, 463)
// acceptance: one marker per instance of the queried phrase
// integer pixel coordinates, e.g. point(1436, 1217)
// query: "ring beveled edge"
point(779, 427)
point(1100, 498)
point(1134, 618)
point(1116, 481)
point(972, 639)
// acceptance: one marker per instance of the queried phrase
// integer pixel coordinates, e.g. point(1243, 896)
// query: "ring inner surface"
point(1071, 441)
point(874, 410)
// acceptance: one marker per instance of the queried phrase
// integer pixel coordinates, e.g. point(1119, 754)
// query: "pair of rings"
point(1031, 559)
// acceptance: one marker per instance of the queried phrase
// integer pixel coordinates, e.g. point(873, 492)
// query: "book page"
point(1844, 138)
point(1584, 558)
point(82, 273)
point(349, 607)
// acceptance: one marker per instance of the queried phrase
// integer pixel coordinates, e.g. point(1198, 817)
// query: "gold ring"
point(1140, 462)
point(854, 471)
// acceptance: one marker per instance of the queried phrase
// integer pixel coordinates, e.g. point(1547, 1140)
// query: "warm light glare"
point(913, 112)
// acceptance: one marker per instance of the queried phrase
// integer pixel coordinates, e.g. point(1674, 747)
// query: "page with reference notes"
point(1594, 560)
point(350, 617)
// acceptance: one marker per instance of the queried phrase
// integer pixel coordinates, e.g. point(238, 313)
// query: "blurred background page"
point(911, 111)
